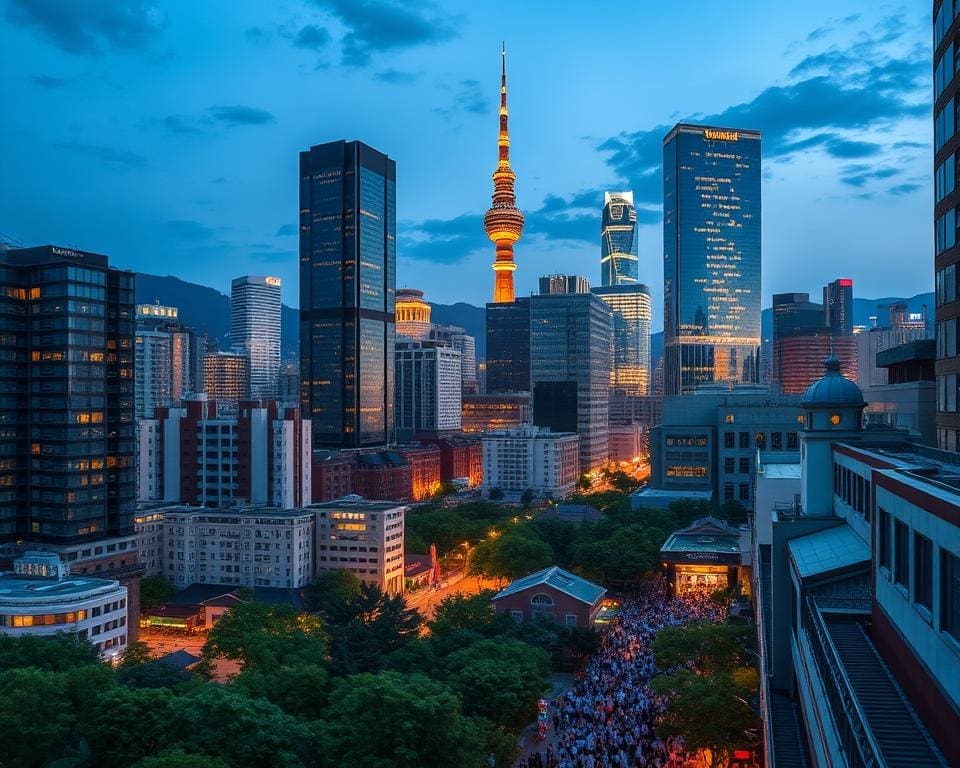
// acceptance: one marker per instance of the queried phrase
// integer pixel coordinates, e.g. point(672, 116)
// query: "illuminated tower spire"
point(503, 222)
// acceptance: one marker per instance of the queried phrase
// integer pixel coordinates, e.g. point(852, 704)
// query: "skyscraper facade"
point(503, 222)
point(68, 443)
point(508, 346)
point(182, 373)
point(570, 360)
point(226, 377)
point(946, 98)
point(711, 256)
point(429, 393)
point(255, 330)
point(347, 293)
point(632, 314)
point(564, 284)
point(618, 240)
point(838, 306)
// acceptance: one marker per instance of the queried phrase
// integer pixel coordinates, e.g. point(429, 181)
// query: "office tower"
point(711, 256)
point(152, 365)
point(226, 377)
point(794, 315)
point(428, 389)
point(801, 359)
point(68, 472)
point(508, 346)
point(483, 413)
point(413, 315)
point(838, 306)
point(503, 222)
point(288, 384)
point(618, 240)
point(457, 337)
point(348, 227)
point(155, 318)
point(255, 329)
point(632, 313)
point(570, 360)
point(564, 284)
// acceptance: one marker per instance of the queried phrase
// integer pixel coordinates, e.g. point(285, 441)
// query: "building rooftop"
point(935, 471)
point(708, 534)
point(672, 494)
point(356, 502)
point(829, 551)
point(775, 471)
point(20, 588)
point(920, 349)
point(561, 580)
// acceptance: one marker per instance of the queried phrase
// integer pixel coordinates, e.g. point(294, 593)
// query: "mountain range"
point(207, 310)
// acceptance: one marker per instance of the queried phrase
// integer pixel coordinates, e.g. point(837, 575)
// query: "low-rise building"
point(908, 399)
point(424, 470)
point(41, 597)
point(460, 458)
point(531, 457)
point(703, 558)
point(363, 537)
point(627, 442)
point(239, 547)
point(552, 594)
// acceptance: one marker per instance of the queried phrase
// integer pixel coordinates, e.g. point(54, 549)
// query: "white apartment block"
point(363, 537)
point(152, 366)
point(148, 524)
point(428, 385)
point(531, 457)
point(240, 548)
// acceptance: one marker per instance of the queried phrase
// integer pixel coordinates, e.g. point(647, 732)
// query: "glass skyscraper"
point(347, 286)
point(255, 330)
point(618, 240)
point(508, 346)
point(632, 313)
point(68, 468)
point(711, 256)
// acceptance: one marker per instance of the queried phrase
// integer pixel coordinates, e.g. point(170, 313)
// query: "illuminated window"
point(835, 419)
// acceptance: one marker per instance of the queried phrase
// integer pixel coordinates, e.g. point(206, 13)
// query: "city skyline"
point(862, 158)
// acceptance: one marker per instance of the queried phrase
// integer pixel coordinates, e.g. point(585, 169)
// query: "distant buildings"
point(456, 337)
point(482, 413)
point(570, 351)
point(363, 537)
point(901, 327)
point(618, 240)
point(165, 361)
point(564, 284)
point(632, 314)
point(801, 359)
point(711, 256)
point(347, 282)
point(226, 377)
point(508, 346)
point(838, 306)
point(413, 315)
point(531, 457)
point(908, 399)
point(69, 437)
point(255, 330)
point(428, 389)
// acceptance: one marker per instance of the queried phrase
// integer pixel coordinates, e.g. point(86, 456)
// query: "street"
point(426, 600)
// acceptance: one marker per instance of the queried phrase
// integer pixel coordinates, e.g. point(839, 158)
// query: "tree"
point(153, 674)
point(622, 482)
point(527, 497)
point(331, 592)
point(583, 482)
point(300, 691)
point(499, 679)
point(53, 653)
point(154, 592)
point(265, 636)
point(391, 720)
point(705, 648)
point(127, 724)
point(177, 758)
point(136, 653)
point(495, 494)
point(37, 716)
point(464, 612)
point(710, 712)
point(623, 556)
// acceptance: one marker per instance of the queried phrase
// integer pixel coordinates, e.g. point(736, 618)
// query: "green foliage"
point(527, 497)
point(706, 648)
point(266, 637)
point(129, 724)
point(509, 556)
point(177, 758)
point(499, 679)
point(621, 481)
point(136, 653)
point(464, 612)
point(584, 483)
point(57, 653)
point(495, 494)
point(450, 527)
point(154, 592)
point(558, 534)
point(391, 720)
point(37, 716)
point(330, 593)
point(300, 691)
point(152, 674)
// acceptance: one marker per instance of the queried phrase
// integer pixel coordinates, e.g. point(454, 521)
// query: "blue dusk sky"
point(165, 134)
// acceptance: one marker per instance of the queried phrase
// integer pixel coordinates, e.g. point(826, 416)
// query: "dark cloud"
point(257, 35)
point(180, 124)
point(312, 37)
point(396, 76)
point(286, 230)
point(116, 158)
point(89, 28)
point(444, 241)
point(376, 26)
point(187, 229)
point(47, 81)
point(240, 115)
point(467, 97)
point(858, 175)
point(904, 189)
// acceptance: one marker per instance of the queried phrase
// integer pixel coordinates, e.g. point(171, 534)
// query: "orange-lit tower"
point(503, 222)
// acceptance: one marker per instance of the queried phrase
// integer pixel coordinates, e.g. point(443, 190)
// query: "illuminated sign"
point(272, 280)
point(721, 135)
point(66, 252)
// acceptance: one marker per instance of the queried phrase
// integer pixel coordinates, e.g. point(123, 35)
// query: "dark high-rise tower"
point(508, 346)
point(838, 306)
point(68, 473)
point(711, 256)
point(347, 286)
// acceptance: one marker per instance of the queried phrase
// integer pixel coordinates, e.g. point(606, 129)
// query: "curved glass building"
point(618, 240)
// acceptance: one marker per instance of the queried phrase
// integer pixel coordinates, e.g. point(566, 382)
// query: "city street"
point(426, 600)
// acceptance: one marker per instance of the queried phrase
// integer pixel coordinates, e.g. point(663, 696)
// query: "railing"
point(856, 740)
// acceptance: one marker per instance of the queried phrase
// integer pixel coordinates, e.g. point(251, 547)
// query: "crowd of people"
point(608, 718)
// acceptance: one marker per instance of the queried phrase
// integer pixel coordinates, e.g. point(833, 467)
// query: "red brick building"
point(384, 475)
point(460, 457)
point(332, 476)
point(553, 594)
point(425, 475)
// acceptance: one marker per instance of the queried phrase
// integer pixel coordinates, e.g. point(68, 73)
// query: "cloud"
point(312, 37)
point(396, 76)
point(116, 158)
point(240, 115)
point(904, 189)
point(47, 81)
point(378, 26)
point(443, 241)
point(257, 35)
point(467, 97)
point(187, 229)
point(180, 124)
point(858, 175)
point(90, 28)
point(286, 230)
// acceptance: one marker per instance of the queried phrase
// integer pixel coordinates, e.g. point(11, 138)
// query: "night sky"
point(166, 134)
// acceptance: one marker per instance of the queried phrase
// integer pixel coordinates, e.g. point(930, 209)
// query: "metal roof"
point(561, 580)
point(828, 551)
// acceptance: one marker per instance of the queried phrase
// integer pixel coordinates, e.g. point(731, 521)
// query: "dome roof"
point(833, 388)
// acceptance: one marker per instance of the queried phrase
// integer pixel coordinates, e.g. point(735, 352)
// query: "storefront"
point(703, 558)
